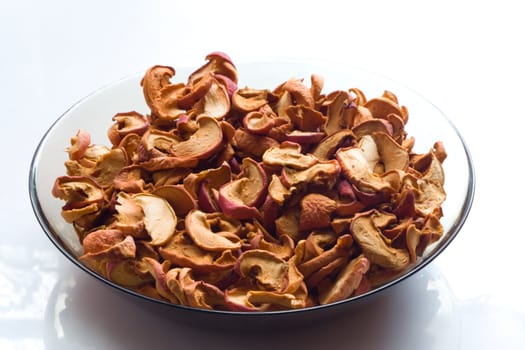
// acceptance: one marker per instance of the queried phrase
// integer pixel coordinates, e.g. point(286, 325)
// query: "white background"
point(467, 57)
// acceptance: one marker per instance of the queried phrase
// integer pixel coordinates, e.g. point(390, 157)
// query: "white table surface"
point(466, 57)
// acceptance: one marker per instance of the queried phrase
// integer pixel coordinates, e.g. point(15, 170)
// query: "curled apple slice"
point(306, 118)
point(248, 99)
point(382, 106)
point(106, 245)
point(240, 198)
point(213, 231)
point(159, 218)
point(329, 145)
point(267, 270)
point(82, 194)
point(300, 92)
point(125, 124)
point(338, 111)
point(160, 95)
point(258, 123)
point(289, 154)
point(182, 251)
point(347, 281)
point(215, 103)
point(205, 142)
point(368, 236)
point(79, 144)
point(218, 63)
point(178, 197)
point(195, 293)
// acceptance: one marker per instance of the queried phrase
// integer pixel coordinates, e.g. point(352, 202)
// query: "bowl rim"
point(442, 244)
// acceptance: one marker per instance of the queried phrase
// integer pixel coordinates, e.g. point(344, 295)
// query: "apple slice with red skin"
point(240, 198)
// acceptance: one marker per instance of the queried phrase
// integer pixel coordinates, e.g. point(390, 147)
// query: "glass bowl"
point(94, 112)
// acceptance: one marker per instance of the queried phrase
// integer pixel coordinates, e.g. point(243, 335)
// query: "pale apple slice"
point(289, 154)
point(160, 219)
point(258, 123)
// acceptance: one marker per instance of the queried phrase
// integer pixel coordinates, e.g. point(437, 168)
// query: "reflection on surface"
point(85, 314)
point(27, 279)
point(502, 325)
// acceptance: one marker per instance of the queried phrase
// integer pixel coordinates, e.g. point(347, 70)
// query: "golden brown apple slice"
point(347, 281)
point(127, 123)
point(289, 154)
point(368, 236)
point(240, 198)
point(213, 231)
point(267, 270)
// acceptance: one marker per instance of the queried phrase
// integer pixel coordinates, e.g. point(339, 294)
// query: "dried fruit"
point(252, 199)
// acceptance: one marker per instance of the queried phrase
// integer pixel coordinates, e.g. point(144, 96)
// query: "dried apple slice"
point(182, 251)
point(178, 197)
point(129, 217)
point(393, 156)
point(268, 271)
point(195, 92)
point(368, 236)
point(278, 192)
point(305, 137)
point(324, 174)
point(218, 63)
point(213, 231)
point(159, 272)
point(197, 293)
point(359, 166)
point(215, 103)
point(160, 219)
point(306, 118)
point(204, 143)
point(289, 154)
point(248, 99)
point(236, 299)
point(300, 92)
point(160, 94)
point(318, 241)
point(252, 145)
point(370, 126)
point(105, 245)
point(283, 249)
point(128, 272)
point(340, 249)
point(125, 124)
point(82, 194)
point(79, 144)
point(347, 281)
point(258, 123)
point(338, 113)
point(240, 198)
point(380, 107)
point(329, 145)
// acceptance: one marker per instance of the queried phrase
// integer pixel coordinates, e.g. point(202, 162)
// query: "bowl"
point(94, 112)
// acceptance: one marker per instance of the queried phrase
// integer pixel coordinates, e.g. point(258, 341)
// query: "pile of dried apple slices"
point(252, 199)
